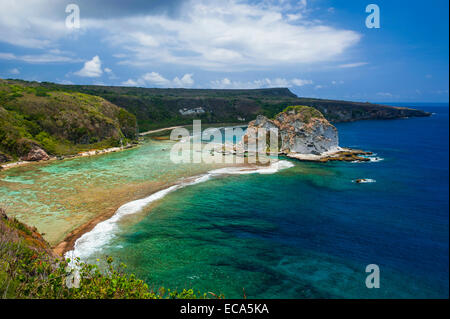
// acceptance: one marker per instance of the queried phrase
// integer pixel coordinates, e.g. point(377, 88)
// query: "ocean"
point(301, 230)
point(309, 231)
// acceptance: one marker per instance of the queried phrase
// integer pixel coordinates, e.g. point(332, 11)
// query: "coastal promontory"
point(303, 134)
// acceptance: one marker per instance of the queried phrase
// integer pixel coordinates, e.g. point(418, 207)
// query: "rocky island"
point(304, 134)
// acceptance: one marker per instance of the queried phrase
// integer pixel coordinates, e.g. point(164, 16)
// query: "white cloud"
point(210, 34)
point(110, 74)
point(385, 94)
point(130, 82)
point(66, 82)
point(352, 65)
point(7, 56)
point(32, 23)
point(14, 71)
point(39, 58)
point(300, 82)
point(185, 81)
point(226, 83)
point(225, 35)
point(156, 79)
point(91, 68)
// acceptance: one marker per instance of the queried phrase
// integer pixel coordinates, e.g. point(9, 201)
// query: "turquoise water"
point(309, 231)
point(59, 196)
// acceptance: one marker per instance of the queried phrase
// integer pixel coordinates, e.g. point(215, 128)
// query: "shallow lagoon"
point(305, 232)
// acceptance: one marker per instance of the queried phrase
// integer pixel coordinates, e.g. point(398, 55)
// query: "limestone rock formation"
point(301, 129)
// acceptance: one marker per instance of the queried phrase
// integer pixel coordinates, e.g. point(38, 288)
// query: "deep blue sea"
point(309, 231)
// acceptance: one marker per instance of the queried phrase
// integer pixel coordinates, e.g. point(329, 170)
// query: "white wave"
point(372, 158)
point(365, 181)
point(272, 169)
point(103, 232)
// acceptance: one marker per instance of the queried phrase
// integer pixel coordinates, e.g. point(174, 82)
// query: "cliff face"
point(345, 111)
point(34, 119)
point(301, 129)
point(156, 108)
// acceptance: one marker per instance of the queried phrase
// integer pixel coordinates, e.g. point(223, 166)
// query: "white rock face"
point(302, 130)
point(198, 110)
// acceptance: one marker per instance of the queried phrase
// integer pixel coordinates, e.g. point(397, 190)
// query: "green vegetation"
point(58, 121)
point(66, 119)
point(158, 108)
point(307, 113)
point(28, 269)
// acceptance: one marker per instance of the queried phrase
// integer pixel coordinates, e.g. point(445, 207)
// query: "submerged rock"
point(364, 180)
point(36, 154)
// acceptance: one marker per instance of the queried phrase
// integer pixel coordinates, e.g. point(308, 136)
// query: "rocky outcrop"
point(35, 154)
point(301, 130)
point(346, 111)
point(303, 134)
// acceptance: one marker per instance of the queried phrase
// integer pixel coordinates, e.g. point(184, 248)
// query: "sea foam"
point(105, 231)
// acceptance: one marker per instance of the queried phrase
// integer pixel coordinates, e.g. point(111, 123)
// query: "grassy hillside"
point(156, 108)
point(29, 269)
point(59, 121)
point(66, 119)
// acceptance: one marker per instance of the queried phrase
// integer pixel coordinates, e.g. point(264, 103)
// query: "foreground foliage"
point(28, 269)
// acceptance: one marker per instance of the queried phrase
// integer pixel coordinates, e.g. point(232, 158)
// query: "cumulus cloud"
point(218, 35)
point(156, 79)
point(226, 83)
point(224, 35)
point(33, 23)
point(91, 68)
point(14, 71)
point(185, 81)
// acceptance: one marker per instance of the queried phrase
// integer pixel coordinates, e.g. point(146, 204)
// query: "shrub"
point(29, 270)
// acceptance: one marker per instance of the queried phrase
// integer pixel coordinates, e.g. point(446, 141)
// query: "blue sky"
point(317, 48)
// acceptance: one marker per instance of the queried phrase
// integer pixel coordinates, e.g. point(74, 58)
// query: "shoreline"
point(95, 152)
point(68, 243)
point(160, 130)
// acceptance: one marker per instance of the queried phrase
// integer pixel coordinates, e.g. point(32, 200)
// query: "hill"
point(58, 121)
point(67, 119)
point(157, 108)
